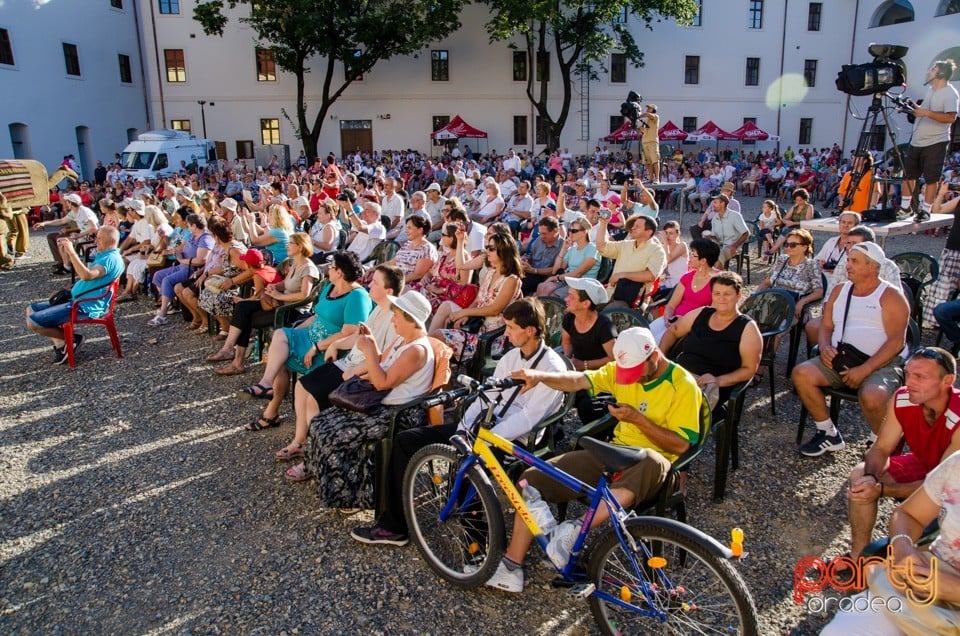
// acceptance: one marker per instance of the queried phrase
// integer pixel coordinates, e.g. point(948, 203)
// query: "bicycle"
point(643, 574)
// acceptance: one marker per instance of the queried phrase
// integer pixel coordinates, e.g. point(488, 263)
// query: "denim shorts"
point(50, 317)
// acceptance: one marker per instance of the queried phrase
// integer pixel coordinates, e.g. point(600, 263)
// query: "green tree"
point(577, 34)
point(329, 33)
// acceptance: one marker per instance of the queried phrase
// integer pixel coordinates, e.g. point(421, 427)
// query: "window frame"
point(752, 73)
point(439, 65)
point(265, 128)
point(75, 57)
point(755, 15)
point(357, 53)
point(521, 130)
point(175, 71)
point(805, 134)
point(116, 4)
point(618, 68)
point(172, 6)
point(615, 122)
point(810, 72)
point(520, 67)
point(123, 60)
point(697, 19)
point(814, 16)
point(689, 69)
point(541, 134)
point(180, 122)
point(542, 67)
point(6, 48)
point(265, 67)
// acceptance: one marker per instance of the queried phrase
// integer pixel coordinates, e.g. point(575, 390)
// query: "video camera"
point(886, 71)
point(630, 110)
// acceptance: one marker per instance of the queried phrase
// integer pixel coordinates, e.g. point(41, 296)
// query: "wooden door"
point(356, 134)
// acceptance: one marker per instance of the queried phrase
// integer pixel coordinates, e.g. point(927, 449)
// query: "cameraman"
point(651, 142)
point(931, 136)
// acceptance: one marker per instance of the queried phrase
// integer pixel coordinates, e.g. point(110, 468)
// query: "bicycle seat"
point(613, 457)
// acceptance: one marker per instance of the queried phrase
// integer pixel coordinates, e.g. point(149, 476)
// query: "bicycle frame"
point(482, 451)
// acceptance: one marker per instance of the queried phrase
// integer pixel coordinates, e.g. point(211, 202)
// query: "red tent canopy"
point(456, 129)
point(625, 132)
point(670, 132)
point(710, 132)
point(750, 132)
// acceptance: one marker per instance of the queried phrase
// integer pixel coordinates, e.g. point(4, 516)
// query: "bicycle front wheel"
point(695, 590)
point(467, 547)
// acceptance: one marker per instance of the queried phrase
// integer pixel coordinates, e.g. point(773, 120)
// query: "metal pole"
point(203, 118)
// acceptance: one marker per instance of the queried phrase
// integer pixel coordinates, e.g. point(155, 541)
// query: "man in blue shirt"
point(46, 319)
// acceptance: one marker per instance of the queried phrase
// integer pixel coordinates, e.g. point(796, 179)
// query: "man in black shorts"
point(931, 136)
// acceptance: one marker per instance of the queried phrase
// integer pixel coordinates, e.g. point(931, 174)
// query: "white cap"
point(631, 350)
point(595, 290)
point(229, 203)
point(873, 251)
point(134, 204)
point(433, 186)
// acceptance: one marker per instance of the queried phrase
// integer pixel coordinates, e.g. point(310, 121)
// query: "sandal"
point(230, 369)
point(298, 473)
point(292, 451)
point(221, 335)
point(271, 422)
point(219, 357)
point(193, 326)
point(256, 392)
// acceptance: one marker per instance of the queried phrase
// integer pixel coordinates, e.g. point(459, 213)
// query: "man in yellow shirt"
point(657, 407)
point(651, 142)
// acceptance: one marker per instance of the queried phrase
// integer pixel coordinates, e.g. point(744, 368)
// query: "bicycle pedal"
point(582, 590)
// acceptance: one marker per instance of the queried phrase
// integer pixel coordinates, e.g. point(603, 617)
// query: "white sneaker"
point(561, 542)
point(506, 580)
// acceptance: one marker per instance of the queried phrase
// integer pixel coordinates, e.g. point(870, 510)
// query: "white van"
point(158, 153)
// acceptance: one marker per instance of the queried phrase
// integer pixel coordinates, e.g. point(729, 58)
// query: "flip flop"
point(229, 370)
point(256, 392)
point(219, 357)
point(298, 473)
point(271, 422)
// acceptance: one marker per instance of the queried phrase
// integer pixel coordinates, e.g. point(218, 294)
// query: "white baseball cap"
point(631, 350)
point(594, 289)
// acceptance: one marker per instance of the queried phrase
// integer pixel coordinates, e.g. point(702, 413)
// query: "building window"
point(176, 67)
point(353, 63)
point(168, 7)
point(270, 131)
point(542, 132)
point(519, 66)
point(753, 72)
point(266, 67)
point(437, 122)
point(126, 75)
point(691, 70)
point(519, 130)
point(6, 49)
point(244, 149)
point(440, 66)
point(948, 7)
point(181, 124)
point(543, 67)
point(814, 13)
point(72, 58)
point(621, 17)
point(615, 122)
point(698, 16)
point(755, 16)
point(749, 142)
point(618, 68)
point(892, 12)
point(806, 130)
point(810, 72)
point(116, 4)
point(689, 124)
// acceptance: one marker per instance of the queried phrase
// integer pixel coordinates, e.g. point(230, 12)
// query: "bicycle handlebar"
point(468, 386)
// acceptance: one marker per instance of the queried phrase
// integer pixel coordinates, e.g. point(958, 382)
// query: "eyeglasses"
point(490, 248)
point(575, 230)
point(792, 244)
point(933, 354)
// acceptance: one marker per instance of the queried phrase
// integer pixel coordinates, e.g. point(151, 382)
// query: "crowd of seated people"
point(235, 258)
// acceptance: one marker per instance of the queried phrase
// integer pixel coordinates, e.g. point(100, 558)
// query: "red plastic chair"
point(106, 320)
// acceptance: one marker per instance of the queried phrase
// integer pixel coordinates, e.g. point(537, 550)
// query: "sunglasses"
point(490, 248)
point(932, 354)
point(574, 230)
point(793, 244)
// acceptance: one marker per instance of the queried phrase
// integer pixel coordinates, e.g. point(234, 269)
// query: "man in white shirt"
point(80, 224)
point(392, 206)
point(512, 162)
point(518, 207)
point(368, 229)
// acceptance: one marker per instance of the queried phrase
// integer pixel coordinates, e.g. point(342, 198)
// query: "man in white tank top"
point(876, 324)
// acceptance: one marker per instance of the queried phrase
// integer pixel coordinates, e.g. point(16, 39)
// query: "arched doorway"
point(892, 12)
point(84, 151)
point(20, 140)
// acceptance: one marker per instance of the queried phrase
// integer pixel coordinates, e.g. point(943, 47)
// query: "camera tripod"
point(867, 133)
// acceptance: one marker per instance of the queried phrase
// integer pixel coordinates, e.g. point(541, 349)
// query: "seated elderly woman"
point(248, 315)
point(190, 256)
point(337, 454)
point(417, 256)
point(137, 266)
point(342, 306)
point(217, 287)
point(499, 286)
point(721, 346)
point(796, 272)
point(693, 289)
point(312, 393)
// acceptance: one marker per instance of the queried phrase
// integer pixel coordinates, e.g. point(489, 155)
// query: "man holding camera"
point(931, 136)
point(651, 142)
point(862, 344)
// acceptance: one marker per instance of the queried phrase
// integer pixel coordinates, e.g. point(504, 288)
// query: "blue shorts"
point(50, 317)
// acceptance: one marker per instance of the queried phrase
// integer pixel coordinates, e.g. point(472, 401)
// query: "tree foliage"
point(343, 39)
point(577, 34)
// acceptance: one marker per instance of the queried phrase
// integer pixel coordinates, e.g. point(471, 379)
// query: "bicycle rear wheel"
point(467, 547)
point(699, 592)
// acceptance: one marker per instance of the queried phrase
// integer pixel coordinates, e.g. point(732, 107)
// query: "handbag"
point(157, 259)
point(216, 283)
point(847, 356)
point(627, 291)
point(60, 297)
point(359, 395)
point(463, 295)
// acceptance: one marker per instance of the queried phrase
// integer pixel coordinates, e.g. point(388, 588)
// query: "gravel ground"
point(132, 502)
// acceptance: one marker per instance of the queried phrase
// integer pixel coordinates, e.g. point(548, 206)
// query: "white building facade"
point(774, 61)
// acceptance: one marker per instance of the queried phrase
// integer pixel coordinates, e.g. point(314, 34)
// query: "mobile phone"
point(363, 329)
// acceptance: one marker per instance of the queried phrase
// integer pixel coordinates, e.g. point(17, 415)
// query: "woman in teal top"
point(343, 304)
point(274, 238)
point(578, 258)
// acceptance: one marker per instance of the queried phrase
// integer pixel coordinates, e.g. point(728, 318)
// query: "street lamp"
point(203, 116)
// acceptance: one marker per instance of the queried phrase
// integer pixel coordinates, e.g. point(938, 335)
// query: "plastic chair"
point(773, 311)
point(925, 269)
point(726, 433)
point(606, 269)
point(554, 308)
point(797, 331)
point(743, 256)
point(107, 320)
point(837, 396)
point(623, 319)
point(383, 252)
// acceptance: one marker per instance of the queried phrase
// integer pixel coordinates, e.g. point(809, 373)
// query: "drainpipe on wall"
point(156, 51)
point(846, 109)
point(783, 48)
point(143, 74)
